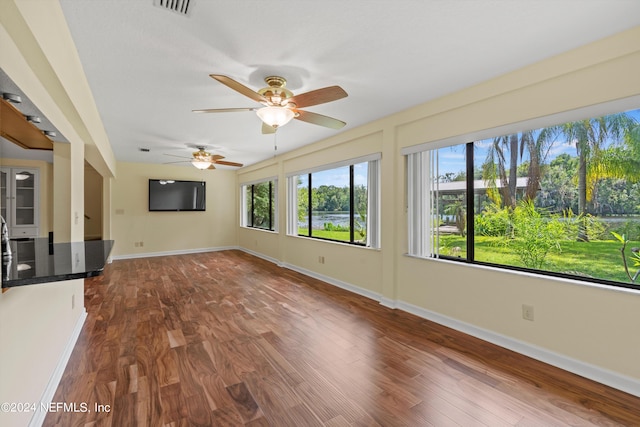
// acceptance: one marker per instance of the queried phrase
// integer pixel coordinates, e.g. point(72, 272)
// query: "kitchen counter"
point(38, 261)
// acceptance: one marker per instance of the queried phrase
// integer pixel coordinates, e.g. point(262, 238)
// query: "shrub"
point(329, 226)
point(594, 228)
point(493, 221)
point(630, 229)
point(535, 234)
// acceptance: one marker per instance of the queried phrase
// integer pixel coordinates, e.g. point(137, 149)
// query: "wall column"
point(68, 192)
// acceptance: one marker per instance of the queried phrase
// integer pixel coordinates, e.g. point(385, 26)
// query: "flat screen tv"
point(172, 195)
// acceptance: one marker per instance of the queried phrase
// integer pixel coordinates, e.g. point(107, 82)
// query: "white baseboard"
point(340, 284)
point(592, 372)
point(178, 252)
point(50, 390)
point(389, 303)
point(262, 256)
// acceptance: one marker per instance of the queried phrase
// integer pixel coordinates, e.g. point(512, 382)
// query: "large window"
point(338, 203)
point(259, 205)
point(562, 200)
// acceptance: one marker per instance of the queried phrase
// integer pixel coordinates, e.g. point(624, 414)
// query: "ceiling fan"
point(202, 159)
point(281, 105)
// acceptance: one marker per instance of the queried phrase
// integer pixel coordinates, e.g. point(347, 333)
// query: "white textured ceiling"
point(148, 67)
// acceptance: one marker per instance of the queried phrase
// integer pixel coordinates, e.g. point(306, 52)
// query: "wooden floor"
point(226, 339)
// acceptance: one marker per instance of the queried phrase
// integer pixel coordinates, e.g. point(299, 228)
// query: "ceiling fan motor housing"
point(276, 92)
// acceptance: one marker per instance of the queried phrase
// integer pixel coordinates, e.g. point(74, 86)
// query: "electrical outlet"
point(527, 312)
point(321, 259)
point(141, 244)
point(73, 301)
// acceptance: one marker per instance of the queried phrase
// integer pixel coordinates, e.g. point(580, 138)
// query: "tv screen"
point(172, 195)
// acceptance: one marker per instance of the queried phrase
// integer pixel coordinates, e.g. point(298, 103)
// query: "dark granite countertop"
point(38, 261)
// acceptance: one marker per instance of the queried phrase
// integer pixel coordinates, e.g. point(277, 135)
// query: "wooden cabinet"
point(19, 188)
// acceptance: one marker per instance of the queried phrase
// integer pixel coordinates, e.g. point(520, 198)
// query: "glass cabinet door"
point(25, 198)
point(4, 193)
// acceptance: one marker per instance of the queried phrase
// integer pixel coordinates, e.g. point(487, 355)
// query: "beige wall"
point(171, 231)
point(36, 324)
point(591, 325)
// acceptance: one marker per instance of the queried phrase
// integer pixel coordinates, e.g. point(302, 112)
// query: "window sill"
point(264, 230)
point(565, 280)
point(336, 242)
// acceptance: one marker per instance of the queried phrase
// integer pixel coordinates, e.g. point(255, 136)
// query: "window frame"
point(373, 200)
point(247, 214)
point(419, 166)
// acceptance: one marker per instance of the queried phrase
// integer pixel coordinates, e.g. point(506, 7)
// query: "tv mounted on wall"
point(173, 195)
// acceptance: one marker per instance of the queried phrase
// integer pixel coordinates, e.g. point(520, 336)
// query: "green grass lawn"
point(598, 258)
point(342, 236)
point(325, 234)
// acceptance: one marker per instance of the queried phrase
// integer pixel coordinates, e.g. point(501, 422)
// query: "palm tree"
point(590, 136)
point(494, 167)
point(538, 148)
point(624, 161)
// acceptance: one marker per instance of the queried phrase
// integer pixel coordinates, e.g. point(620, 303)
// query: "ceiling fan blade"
point(266, 129)
point(222, 162)
point(223, 110)
point(318, 96)
point(211, 166)
point(217, 157)
point(319, 119)
point(239, 87)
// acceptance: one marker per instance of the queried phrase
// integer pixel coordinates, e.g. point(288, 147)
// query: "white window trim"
point(612, 107)
point(292, 205)
point(373, 194)
point(335, 165)
point(244, 214)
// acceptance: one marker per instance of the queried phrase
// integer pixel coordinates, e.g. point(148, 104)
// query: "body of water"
point(318, 219)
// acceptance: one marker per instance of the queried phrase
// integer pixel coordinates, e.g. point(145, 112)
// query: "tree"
point(494, 168)
point(590, 136)
point(559, 193)
point(538, 147)
point(537, 144)
point(261, 205)
point(623, 161)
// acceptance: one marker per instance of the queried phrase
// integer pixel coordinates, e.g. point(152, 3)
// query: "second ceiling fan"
point(280, 105)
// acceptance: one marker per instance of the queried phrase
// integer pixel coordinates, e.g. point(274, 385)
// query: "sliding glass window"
point(259, 205)
point(562, 200)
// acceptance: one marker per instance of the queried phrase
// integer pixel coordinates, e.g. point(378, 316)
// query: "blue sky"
point(340, 176)
point(452, 159)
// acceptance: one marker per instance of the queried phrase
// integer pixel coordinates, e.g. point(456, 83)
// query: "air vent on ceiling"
point(182, 7)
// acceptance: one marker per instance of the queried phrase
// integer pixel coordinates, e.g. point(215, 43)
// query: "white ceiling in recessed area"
point(148, 67)
point(8, 149)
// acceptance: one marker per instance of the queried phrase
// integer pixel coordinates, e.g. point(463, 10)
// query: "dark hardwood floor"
point(226, 339)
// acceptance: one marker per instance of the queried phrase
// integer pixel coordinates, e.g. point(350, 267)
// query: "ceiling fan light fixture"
point(201, 164)
point(275, 116)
